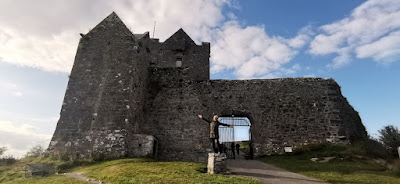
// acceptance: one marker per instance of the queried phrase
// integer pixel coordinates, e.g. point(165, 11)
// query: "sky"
point(357, 43)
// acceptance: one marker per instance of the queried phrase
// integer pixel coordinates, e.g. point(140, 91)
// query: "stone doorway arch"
point(241, 120)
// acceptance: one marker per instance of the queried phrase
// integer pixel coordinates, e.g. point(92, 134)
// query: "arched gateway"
point(236, 140)
point(129, 92)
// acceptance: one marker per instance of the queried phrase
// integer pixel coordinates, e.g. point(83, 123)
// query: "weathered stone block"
point(216, 163)
point(143, 145)
point(398, 151)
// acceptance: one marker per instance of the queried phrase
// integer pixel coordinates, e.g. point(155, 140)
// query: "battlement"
point(178, 51)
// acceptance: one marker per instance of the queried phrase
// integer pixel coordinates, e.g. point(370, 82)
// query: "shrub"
point(390, 137)
point(7, 160)
point(396, 165)
point(376, 149)
point(36, 151)
point(2, 150)
point(322, 150)
point(245, 147)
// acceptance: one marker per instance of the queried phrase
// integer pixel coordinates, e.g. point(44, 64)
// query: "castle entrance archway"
point(238, 135)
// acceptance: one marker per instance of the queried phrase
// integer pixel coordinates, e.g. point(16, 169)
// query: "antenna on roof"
point(154, 29)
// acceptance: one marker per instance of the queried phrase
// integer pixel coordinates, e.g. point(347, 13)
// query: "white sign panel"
point(288, 149)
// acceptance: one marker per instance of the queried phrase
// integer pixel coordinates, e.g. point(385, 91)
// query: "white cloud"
point(384, 49)
point(54, 53)
point(44, 34)
point(21, 131)
point(303, 37)
point(18, 138)
point(7, 88)
point(18, 93)
point(250, 51)
point(282, 72)
point(369, 32)
point(309, 75)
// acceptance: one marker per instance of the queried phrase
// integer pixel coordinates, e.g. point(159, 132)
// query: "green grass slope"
point(347, 166)
point(15, 173)
point(46, 180)
point(135, 170)
point(146, 171)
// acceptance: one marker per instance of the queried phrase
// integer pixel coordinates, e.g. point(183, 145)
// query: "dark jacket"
point(214, 133)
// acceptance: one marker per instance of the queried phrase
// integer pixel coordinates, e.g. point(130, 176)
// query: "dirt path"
point(81, 177)
point(267, 173)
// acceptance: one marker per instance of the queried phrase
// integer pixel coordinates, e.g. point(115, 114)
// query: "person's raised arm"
point(201, 117)
point(223, 124)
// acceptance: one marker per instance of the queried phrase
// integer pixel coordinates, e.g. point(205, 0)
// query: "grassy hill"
point(338, 164)
point(137, 170)
point(332, 163)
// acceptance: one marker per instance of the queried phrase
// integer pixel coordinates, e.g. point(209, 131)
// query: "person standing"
point(237, 148)
point(214, 133)
point(233, 149)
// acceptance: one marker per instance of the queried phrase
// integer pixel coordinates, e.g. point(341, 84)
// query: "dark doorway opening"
point(236, 140)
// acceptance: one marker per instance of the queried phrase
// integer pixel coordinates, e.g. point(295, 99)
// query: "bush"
point(376, 149)
point(322, 150)
point(396, 165)
point(390, 137)
point(36, 151)
point(245, 147)
point(368, 148)
point(2, 150)
point(7, 160)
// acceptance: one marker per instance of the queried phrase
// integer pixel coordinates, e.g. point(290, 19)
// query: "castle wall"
point(170, 112)
point(283, 112)
point(104, 98)
point(123, 90)
point(195, 58)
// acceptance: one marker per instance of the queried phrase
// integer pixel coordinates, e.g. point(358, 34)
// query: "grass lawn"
point(137, 170)
point(346, 169)
point(15, 174)
point(46, 180)
point(147, 171)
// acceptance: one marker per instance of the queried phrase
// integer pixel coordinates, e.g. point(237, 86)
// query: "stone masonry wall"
point(125, 89)
point(105, 94)
point(283, 112)
point(195, 58)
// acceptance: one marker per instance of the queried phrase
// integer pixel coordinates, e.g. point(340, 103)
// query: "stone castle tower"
point(130, 95)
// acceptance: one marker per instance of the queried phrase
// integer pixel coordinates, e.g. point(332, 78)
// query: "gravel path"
point(80, 176)
point(267, 173)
